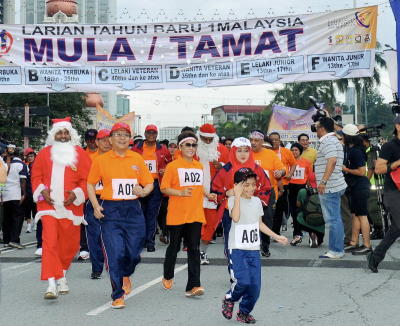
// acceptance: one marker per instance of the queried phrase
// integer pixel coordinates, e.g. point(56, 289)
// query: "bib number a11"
point(123, 188)
point(298, 173)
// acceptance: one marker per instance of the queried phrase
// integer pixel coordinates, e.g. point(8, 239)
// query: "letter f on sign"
point(314, 62)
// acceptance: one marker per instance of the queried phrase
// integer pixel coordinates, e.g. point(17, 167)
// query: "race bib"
point(267, 173)
point(247, 236)
point(152, 165)
point(99, 185)
point(298, 173)
point(190, 177)
point(123, 188)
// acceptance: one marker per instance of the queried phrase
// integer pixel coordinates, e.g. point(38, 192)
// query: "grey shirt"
point(329, 147)
point(245, 234)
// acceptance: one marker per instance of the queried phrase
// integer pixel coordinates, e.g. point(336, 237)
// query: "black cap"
point(90, 134)
point(397, 119)
point(243, 174)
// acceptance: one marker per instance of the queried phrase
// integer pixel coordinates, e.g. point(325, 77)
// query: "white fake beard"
point(208, 152)
point(63, 153)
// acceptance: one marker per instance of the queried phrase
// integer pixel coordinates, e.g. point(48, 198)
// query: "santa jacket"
point(61, 180)
point(223, 181)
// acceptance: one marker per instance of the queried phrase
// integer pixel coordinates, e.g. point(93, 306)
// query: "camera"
point(319, 114)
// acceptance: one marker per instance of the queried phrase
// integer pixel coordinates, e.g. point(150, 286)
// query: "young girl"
point(244, 246)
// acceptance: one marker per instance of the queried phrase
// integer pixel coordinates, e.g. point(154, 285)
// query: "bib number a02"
point(151, 165)
point(247, 236)
point(190, 177)
point(123, 188)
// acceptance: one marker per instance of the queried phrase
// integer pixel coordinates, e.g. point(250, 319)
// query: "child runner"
point(183, 183)
point(246, 212)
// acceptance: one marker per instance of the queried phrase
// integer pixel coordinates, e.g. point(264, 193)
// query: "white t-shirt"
point(18, 170)
point(245, 234)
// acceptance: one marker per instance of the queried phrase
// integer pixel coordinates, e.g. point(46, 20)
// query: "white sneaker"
point(38, 252)
point(204, 259)
point(83, 255)
point(51, 293)
point(331, 255)
point(62, 286)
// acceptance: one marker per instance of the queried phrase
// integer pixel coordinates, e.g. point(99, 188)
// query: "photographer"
point(358, 189)
point(331, 184)
point(388, 162)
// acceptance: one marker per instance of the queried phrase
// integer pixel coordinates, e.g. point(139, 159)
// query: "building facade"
point(32, 11)
point(234, 113)
point(97, 11)
point(170, 133)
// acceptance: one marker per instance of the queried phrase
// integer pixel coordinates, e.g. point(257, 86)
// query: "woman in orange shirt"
point(183, 183)
point(300, 178)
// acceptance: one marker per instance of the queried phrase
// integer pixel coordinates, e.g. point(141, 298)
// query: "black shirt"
point(391, 153)
point(355, 158)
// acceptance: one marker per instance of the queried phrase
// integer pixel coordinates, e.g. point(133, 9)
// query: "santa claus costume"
point(212, 155)
point(59, 189)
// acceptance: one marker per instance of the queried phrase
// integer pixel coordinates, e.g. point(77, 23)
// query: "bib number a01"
point(190, 177)
point(123, 188)
point(247, 236)
point(151, 165)
point(298, 173)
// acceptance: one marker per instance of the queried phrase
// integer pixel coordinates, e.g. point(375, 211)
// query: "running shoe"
point(313, 240)
point(51, 293)
point(38, 252)
point(265, 253)
point(227, 308)
point(83, 255)
point(296, 240)
point(351, 248)
point(164, 239)
point(371, 264)
point(126, 285)
point(196, 291)
point(167, 284)
point(331, 255)
point(363, 250)
point(95, 275)
point(204, 259)
point(118, 303)
point(62, 286)
point(245, 318)
point(213, 241)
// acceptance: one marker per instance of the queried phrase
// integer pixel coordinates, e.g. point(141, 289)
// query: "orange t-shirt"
point(303, 171)
point(91, 154)
point(150, 157)
point(269, 161)
point(119, 174)
point(288, 160)
point(178, 175)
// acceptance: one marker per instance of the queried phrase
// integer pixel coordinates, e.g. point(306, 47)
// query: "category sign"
point(96, 58)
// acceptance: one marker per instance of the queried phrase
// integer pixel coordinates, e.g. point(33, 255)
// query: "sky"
point(186, 106)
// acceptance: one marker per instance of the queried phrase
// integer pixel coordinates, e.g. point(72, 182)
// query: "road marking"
point(140, 289)
point(17, 266)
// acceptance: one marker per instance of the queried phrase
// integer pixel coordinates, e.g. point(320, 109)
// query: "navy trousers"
point(245, 268)
point(123, 236)
point(93, 235)
point(151, 206)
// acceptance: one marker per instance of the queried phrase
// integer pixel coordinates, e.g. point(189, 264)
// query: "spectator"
point(29, 207)
point(309, 153)
point(172, 147)
point(331, 184)
point(228, 142)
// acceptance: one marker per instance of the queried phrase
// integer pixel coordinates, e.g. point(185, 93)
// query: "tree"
point(61, 105)
point(296, 95)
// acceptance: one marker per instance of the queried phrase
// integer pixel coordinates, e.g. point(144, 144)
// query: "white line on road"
point(140, 289)
point(17, 266)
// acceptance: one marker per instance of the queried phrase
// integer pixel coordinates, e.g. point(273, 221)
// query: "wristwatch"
point(323, 182)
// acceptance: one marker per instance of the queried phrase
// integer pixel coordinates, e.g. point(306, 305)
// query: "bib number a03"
point(123, 188)
point(247, 236)
point(190, 177)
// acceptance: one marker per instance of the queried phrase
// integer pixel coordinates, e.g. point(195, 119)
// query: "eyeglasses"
point(194, 145)
point(122, 135)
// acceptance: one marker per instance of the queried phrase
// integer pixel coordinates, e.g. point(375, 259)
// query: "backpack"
point(312, 211)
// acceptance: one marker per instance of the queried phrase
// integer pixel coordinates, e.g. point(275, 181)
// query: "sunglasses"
point(194, 145)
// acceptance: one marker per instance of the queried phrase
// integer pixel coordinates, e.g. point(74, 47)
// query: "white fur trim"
point(80, 196)
point(38, 192)
point(206, 134)
point(76, 220)
point(57, 185)
point(62, 125)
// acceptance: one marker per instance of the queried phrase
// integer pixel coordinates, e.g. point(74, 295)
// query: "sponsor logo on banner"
point(6, 42)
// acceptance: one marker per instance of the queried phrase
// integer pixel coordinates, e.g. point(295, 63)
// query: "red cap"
point(151, 128)
point(103, 133)
point(121, 125)
point(28, 150)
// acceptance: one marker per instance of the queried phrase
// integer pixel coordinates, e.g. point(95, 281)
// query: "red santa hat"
point(207, 130)
point(60, 124)
point(64, 123)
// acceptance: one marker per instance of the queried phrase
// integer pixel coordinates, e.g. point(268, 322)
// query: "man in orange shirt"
point(125, 177)
point(288, 160)
point(274, 169)
point(157, 157)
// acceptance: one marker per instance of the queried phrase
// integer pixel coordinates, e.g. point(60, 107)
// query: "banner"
point(395, 4)
point(290, 122)
point(99, 58)
point(104, 120)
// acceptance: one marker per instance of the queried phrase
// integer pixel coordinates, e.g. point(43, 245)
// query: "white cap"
point(240, 142)
point(350, 130)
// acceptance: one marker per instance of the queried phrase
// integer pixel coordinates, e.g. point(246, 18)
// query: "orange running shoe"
point(126, 285)
point(118, 303)
point(167, 284)
point(198, 290)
